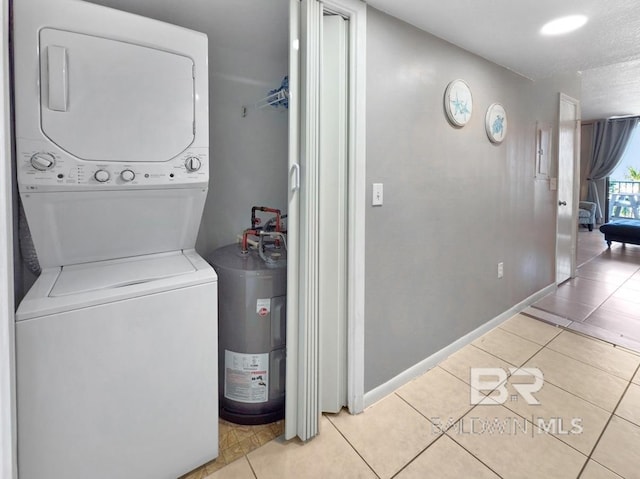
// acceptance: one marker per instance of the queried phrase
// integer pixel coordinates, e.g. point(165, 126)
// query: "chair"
point(587, 214)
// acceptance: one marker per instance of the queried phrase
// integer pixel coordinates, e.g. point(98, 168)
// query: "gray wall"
point(455, 205)
point(248, 56)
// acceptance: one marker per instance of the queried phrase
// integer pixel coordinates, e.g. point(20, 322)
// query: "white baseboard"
point(423, 366)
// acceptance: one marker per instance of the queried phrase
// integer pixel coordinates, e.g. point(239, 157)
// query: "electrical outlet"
point(500, 270)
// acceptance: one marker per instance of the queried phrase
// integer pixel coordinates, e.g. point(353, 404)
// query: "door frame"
point(302, 411)
point(575, 193)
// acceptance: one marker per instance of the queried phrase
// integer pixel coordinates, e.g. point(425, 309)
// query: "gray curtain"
point(610, 139)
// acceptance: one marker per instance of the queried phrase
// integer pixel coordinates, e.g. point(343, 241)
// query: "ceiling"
point(606, 51)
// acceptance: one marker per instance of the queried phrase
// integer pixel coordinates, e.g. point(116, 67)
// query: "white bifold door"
point(332, 195)
point(325, 292)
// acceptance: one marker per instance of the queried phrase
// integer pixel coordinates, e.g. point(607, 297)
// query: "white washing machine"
point(116, 342)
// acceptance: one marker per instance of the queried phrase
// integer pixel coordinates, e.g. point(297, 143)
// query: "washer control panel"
point(47, 169)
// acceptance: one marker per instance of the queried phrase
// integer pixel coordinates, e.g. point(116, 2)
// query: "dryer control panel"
point(45, 169)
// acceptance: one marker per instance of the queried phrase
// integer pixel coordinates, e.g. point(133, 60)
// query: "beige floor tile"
point(531, 329)
point(216, 465)
point(514, 448)
point(596, 353)
point(636, 378)
point(507, 346)
point(438, 395)
point(619, 448)
point(629, 407)
point(593, 470)
point(388, 435)
point(460, 363)
point(628, 350)
point(239, 469)
point(199, 473)
point(589, 383)
point(327, 455)
point(233, 452)
point(565, 416)
point(445, 459)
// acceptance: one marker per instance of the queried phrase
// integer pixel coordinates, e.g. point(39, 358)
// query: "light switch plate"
point(553, 184)
point(377, 194)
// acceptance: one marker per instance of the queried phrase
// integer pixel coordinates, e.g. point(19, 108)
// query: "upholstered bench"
point(622, 231)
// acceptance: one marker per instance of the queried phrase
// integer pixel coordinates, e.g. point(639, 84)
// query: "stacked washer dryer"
point(117, 339)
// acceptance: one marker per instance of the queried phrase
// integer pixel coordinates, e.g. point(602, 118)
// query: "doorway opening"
point(623, 185)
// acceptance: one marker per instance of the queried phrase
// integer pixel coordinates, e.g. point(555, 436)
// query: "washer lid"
point(83, 278)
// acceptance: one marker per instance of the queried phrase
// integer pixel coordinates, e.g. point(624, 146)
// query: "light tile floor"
point(586, 425)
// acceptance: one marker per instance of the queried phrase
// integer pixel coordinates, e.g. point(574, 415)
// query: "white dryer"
point(116, 342)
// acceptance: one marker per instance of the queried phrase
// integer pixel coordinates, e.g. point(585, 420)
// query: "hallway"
point(603, 301)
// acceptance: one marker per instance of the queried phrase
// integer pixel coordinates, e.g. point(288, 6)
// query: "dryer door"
point(107, 100)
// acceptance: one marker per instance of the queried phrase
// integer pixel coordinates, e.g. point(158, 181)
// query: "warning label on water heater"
point(263, 307)
point(246, 377)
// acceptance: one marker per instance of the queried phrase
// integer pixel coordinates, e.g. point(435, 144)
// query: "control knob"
point(102, 176)
point(43, 161)
point(192, 163)
point(127, 175)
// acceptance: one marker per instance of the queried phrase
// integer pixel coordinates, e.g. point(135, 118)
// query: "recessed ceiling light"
point(563, 25)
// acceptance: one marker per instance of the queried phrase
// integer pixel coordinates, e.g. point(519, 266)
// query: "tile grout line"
point(472, 454)
point(613, 413)
point(352, 446)
point(491, 354)
point(530, 340)
point(420, 453)
point(568, 392)
point(444, 433)
point(579, 333)
point(574, 394)
point(589, 364)
point(255, 475)
point(556, 385)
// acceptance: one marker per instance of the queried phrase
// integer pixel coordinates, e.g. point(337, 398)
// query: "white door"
point(293, 225)
point(303, 396)
point(568, 154)
point(332, 192)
